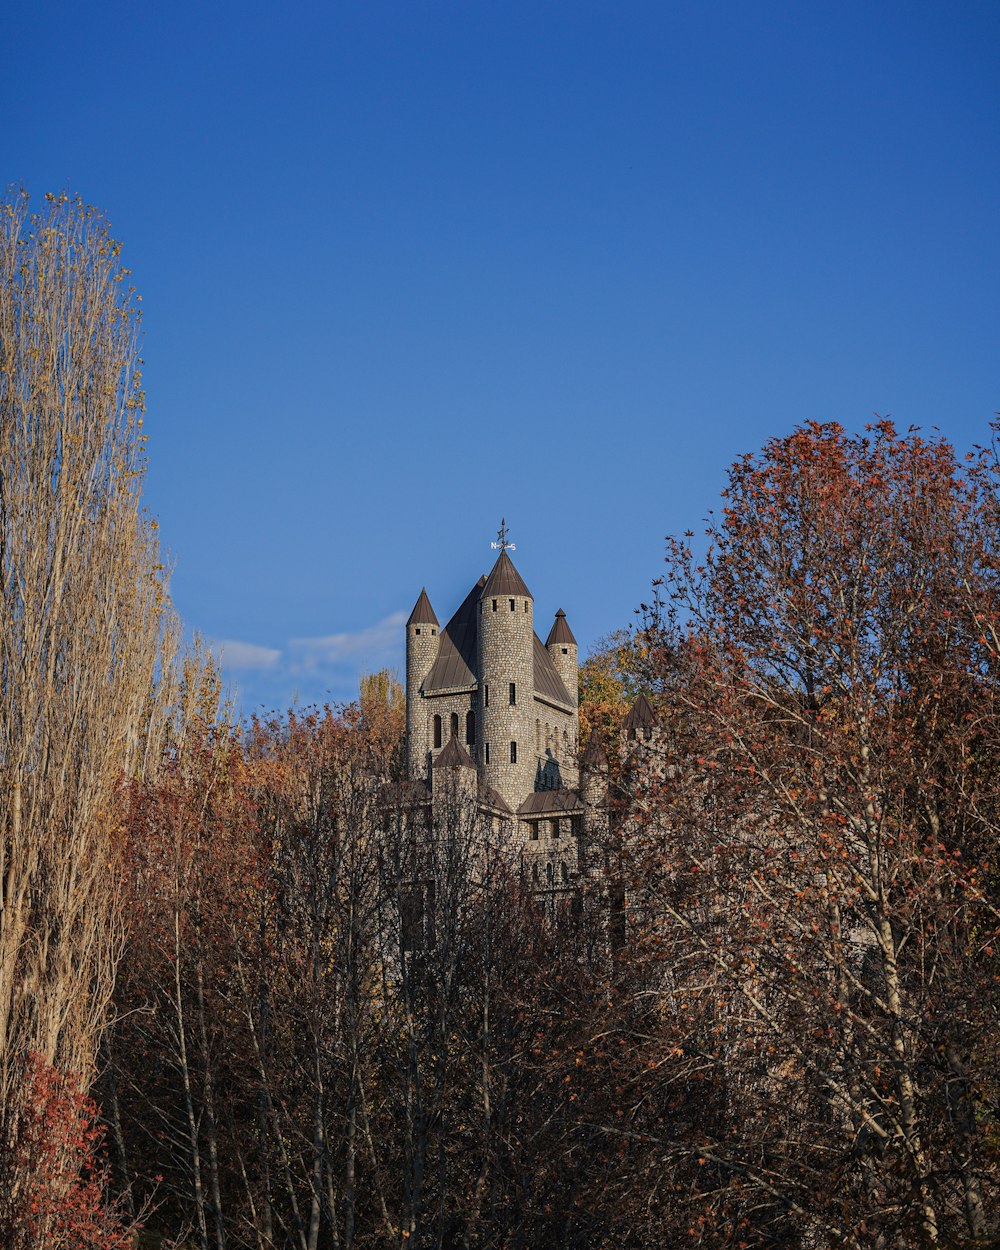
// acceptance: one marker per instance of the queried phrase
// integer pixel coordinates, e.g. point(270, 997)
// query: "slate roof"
point(423, 613)
point(551, 803)
point(455, 665)
point(560, 631)
point(505, 580)
point(640, 715)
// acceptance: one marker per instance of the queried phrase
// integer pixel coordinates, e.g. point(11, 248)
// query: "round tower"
point(506, 641)
point(561, 646)
point(422, 642)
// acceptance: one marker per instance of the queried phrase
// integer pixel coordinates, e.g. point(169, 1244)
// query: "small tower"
point(561, 646)
point(422, 642)
point(507, 681)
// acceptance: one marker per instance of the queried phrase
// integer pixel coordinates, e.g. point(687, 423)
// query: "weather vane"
point(501, 543)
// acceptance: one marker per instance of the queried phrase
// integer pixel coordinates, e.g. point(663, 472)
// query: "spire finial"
point(502, 543)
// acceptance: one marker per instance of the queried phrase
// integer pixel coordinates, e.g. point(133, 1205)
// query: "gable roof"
point(548, 683)
point(505, 580)
point(423, 613)
point(560, 631)
point(455, 666)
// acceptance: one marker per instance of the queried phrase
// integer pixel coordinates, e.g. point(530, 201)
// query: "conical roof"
point(594, 756)
point(640, 715)
point(505, 580)
point(560, 631)
point(454, 755)
point(423, 613)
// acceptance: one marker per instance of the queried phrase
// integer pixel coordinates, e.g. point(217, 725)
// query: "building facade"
point(484, 694)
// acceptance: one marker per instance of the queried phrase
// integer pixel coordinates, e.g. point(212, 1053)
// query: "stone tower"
point(506, 667)
point(422, 642)
point(561, 646)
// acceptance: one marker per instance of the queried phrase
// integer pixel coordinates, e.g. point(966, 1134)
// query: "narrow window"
point(534, 873)
point(525, 605)
point(576, 826)
point(418, 629)
point(511, 602)
point(433, 632)
point(564, 873)
point(549, 873)
point(513, 752)
point(437, 731)
point(470, 729)
point(494, 605)
point(486, 696)
point(454, 724)
point(555, 826)
point(538, 737)
point(513, 694)
point(534, 831)
point(487, 753)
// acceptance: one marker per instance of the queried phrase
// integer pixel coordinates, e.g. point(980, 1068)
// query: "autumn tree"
point(826, 770)
point(85, 631)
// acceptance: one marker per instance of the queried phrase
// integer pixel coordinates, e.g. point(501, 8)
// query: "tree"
point(86, 633)
point(828, 766)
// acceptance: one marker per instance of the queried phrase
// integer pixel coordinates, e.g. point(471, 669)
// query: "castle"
point(484, 695)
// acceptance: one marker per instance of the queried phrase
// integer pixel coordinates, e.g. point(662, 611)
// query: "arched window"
point(549, 875)
point(454, 724)
point(470, 728)
point(437, 732)
point(513, 752)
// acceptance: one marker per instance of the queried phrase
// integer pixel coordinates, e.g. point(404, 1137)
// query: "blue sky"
point(407, 267)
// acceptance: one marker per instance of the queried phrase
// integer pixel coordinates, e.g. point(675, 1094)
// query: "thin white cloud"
point(376, 643)
point(247, 654)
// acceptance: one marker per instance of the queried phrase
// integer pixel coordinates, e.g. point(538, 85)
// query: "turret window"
point(437, 732)
point(513, 752)
point(487, 753)
point(565, 650)
point(470, 729)
point(525, 605)
point(418, 629)
point(511, 601)
point(494, 605)
point(454, 724)
point(513, 693)
point(486, 696)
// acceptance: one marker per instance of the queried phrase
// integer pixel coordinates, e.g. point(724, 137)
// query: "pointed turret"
point(505, 580)
point(454, 755)
point(561, 646)
point(640, 722)
point(423, 637)
point(423, 613)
